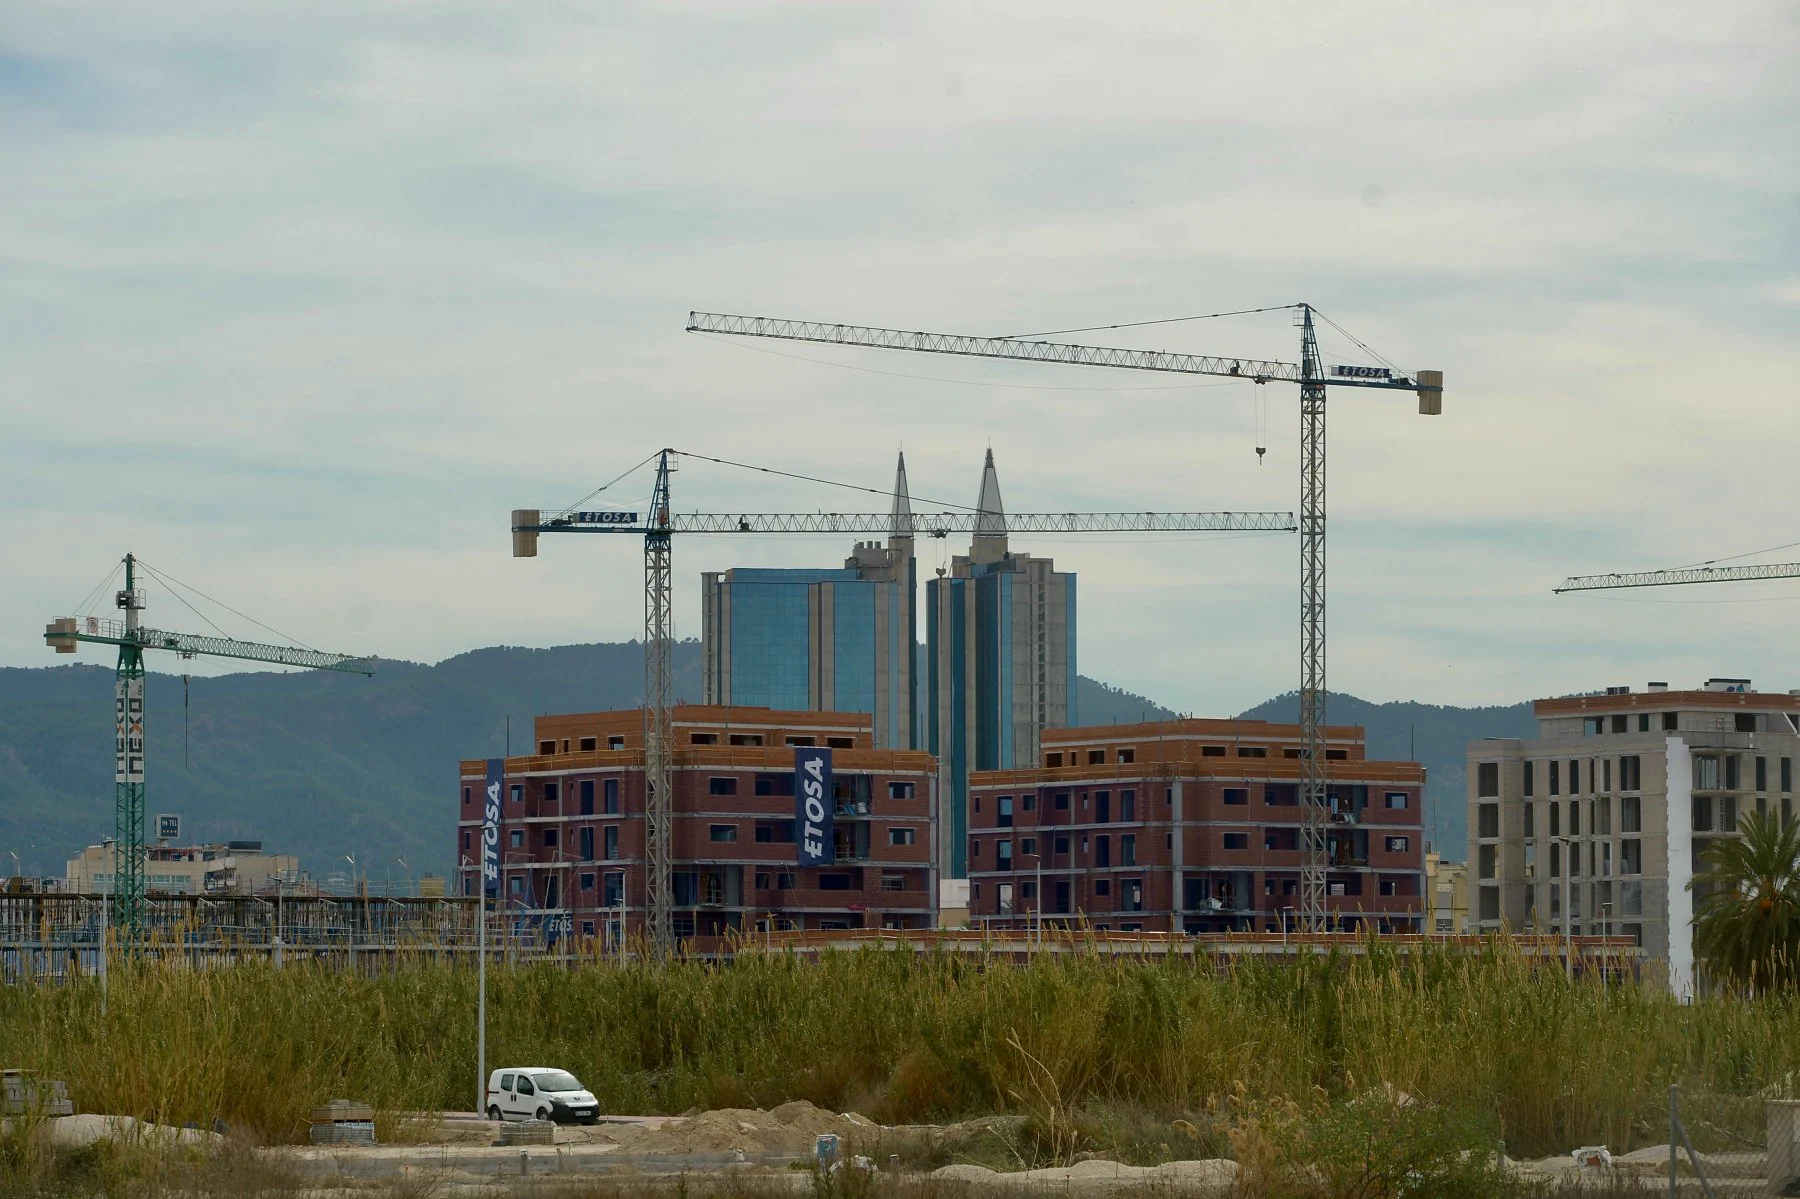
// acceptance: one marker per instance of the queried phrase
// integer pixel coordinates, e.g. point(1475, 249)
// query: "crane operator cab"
point(539, 1093)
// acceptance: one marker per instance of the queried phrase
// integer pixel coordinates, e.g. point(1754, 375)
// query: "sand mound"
point(790, 1128)
point(1213, 1177)
point(78, 1132)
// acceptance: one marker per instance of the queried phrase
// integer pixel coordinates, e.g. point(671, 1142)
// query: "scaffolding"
point(50, 935)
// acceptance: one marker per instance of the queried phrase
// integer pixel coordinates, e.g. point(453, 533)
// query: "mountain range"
point(328, 765)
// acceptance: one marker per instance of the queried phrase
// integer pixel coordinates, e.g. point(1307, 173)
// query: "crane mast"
point(659, 686)
point(658, 528)
point(128, 769)
point(65, 633)
point(1313, 798)
point(1310, 373)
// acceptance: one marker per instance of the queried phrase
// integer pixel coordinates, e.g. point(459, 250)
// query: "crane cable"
point(183, 601)
point(786, 474)
point(1261, 421)
point(1734, 557)
point(1167, 320)
point(870, 370)
point(94, 595)
point(610, 482)
point(171, 581)
point(1359, 343)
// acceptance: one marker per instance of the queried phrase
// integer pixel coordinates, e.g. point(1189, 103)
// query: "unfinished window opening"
point(590, 744)
point(703, 738)
point(746, 739)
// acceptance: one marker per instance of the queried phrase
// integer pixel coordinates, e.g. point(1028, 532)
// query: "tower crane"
point(1310, 373)
point(658, 528)
point(66, 633)
point(1686, 574)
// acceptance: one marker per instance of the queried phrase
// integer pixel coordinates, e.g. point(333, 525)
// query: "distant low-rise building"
point(1598, 824)
point(1447, 896)
point(953, 903)
point(237, 867)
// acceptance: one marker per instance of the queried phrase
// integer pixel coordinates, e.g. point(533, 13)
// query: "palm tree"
point(1747, 920)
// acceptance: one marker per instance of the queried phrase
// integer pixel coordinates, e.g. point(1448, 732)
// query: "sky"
point(298, 302)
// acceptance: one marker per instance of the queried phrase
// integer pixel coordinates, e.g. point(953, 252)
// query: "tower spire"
point(900, 524)
point(990, 517)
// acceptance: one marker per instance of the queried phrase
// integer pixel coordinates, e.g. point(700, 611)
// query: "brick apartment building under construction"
point(572, 849)
point(1191, 826)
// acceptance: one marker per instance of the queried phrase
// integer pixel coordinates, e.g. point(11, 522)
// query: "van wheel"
point(543, 1113)
point(494, 1114)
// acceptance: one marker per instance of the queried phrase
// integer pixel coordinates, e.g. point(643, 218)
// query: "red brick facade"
point(572, 828)
point(1191, 826)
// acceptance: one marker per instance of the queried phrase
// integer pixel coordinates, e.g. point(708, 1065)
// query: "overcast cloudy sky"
point(297, 302)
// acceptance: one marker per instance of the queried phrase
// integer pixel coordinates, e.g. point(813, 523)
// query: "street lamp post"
point(351, 858)
point(1565, 879)
point(1605, 914)
point(1037, 909)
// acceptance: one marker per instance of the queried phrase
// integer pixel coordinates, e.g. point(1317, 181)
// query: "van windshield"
point(556, 1080)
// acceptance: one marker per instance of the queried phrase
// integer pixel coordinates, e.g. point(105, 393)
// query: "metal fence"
point(1730, 1160)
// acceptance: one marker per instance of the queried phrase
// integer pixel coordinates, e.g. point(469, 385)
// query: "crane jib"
point(1068, 354)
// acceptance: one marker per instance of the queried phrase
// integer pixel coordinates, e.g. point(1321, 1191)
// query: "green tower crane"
point(65, 633)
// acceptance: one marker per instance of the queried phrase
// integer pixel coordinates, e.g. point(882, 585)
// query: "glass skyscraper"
point(836, 640)
point(1000, 637)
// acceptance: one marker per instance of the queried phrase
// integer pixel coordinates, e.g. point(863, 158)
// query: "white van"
point(539, 1093)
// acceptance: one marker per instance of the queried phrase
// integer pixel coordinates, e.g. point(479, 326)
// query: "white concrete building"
point(1597, 825)
point(235, 866)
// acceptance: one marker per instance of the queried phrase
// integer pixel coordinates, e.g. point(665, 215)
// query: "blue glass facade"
point(1001, 652)
point(771, 636)
point(853, 644)
point(814, 640)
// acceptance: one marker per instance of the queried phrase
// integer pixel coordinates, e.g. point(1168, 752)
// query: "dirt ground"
point(765, 1151)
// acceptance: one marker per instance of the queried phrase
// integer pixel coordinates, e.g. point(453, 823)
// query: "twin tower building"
point(997, 666)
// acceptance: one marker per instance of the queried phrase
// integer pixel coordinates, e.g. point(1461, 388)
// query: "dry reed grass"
point(900, 1038)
